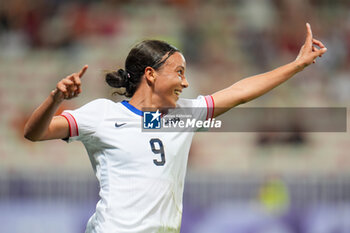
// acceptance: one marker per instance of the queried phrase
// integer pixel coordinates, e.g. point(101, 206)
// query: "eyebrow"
point(180, 67)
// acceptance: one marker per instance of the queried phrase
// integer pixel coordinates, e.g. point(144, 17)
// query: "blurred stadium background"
point(236, 182)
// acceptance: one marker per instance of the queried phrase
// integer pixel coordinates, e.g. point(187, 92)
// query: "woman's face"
point(170, 80)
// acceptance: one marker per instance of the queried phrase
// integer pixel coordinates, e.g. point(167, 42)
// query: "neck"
point(143, 98)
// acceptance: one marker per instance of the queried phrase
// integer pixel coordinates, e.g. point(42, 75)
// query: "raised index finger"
point(82, 71)
point(308, 40)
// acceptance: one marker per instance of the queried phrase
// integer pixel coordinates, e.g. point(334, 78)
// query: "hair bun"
point(121, 79)
point(123, 74)
point(117, 79)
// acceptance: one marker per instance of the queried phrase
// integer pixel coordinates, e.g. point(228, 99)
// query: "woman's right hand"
point(309, 52)
point(69, 87)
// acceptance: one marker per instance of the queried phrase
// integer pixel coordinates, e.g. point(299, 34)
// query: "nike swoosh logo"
point(118, 125)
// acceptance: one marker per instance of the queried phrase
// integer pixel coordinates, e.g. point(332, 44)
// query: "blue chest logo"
point(151, 120)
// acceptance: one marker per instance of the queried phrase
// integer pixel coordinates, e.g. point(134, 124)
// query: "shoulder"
point(92, 108)
point(100, 103)
point(183, 103)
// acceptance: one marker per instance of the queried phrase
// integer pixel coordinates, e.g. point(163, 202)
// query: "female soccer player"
point(141, 174)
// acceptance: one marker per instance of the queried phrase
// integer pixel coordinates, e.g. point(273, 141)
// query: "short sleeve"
point(84, 121)
point(202, 107)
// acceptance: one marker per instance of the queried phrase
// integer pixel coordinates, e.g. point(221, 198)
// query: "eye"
point(180, 72)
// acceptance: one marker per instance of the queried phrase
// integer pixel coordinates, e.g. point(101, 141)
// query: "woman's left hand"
point(309, 52)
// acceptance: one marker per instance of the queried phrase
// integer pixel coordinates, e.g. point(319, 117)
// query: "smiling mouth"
point(177, 92)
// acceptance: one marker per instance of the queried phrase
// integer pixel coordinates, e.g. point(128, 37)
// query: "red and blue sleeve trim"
point(210, 106)
point(73, 126)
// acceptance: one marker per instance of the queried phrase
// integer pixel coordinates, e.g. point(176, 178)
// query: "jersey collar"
point(132, 108)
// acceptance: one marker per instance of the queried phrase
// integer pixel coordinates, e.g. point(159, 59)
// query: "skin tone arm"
point(42, 125)
point(250, 88)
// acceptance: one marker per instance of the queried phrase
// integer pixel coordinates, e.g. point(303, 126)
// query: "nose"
point(184, 83)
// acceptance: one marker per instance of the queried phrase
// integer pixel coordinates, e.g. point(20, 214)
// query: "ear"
point(150, 75)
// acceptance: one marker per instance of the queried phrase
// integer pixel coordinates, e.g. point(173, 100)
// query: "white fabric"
point(136, 194)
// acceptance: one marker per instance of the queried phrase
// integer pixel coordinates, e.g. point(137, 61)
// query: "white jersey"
point(141, 174)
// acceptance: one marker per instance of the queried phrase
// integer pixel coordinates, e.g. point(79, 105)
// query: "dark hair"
point(148, 53)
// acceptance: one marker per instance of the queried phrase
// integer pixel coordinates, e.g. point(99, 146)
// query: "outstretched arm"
point(42, 125)
point(250, 88)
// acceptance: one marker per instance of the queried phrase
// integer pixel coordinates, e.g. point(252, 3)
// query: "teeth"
point(177, 92)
